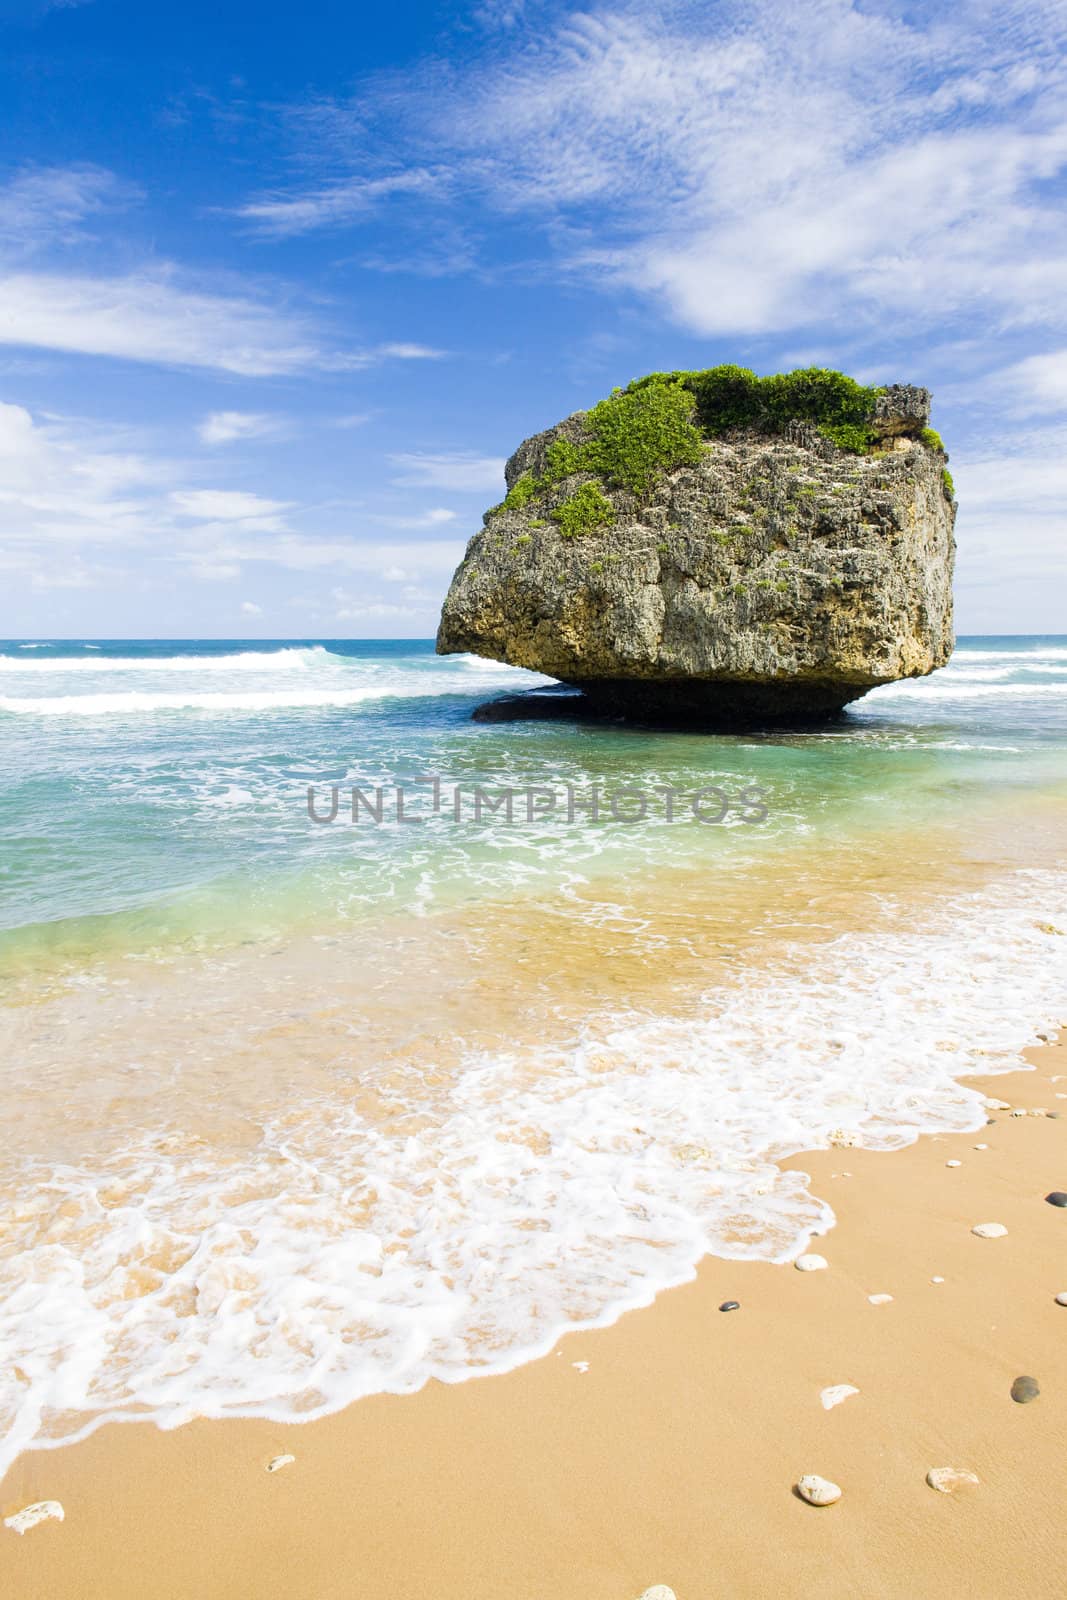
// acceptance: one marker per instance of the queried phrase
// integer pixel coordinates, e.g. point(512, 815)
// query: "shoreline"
point(660, 1449)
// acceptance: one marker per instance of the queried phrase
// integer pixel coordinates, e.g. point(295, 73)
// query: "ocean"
point(302, 1110)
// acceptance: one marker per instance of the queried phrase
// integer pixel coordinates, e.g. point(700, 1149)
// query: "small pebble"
point(1037, 1111)
point(837, 1392)
point(1023, 1390)
point(953, 1163)
point(41, 1511)
point(817, 1491)
point(1018, 1111)
point(946, 1480)
point(879, 1299)
point(981, 1147)
point(659, 1591)
point(279, 1462)
point(1061, 1299)
point(937, 1280)
point(989, 1230)
point(1057, 1198)
point(730, 1305)
point(580, 1366)
point(810, 1263)
point(992, 1105)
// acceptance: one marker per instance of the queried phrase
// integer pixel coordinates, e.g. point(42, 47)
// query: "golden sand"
point(671, 1456)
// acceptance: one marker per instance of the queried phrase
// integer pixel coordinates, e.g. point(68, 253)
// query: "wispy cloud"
point(49, 205)
point(159, 314)
point(253, 511)
point(459, 470)
point(770, 168)
point(151, 318)
point(1035, 385)
point(334, 204)
point(228, 427)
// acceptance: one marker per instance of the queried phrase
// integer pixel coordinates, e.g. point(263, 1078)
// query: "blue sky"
point(280, 286)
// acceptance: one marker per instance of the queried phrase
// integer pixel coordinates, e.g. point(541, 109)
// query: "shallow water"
point(299, 1112)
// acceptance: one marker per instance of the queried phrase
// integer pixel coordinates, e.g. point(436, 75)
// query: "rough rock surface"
point(779, 577)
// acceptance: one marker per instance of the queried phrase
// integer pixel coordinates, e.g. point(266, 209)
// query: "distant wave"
point(287, 660)
point(136, 702)
point(943, 689)
point(1028, 657)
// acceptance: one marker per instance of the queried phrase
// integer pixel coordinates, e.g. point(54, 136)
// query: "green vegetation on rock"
point(640, 432)
point(947, 484)
point(586, 509)
point(662, 421)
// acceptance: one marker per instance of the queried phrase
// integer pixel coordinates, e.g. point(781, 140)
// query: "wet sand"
point(672, 1458)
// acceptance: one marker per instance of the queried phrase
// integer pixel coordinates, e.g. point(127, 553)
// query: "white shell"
point(41, 1511)
point(834, 1395)
point(946, 1480)
point(1061, 1299)
point(817, 1491)
point(659, 1591)
point(810, 1263)
point(879, 1299)
point(279, 1462)
point(953, 1163)
point(989, 1230)
point(991, 1104)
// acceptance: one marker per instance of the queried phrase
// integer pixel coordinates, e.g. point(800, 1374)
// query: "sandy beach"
point(663, 1449)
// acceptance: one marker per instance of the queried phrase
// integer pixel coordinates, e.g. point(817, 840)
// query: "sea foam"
point(544, 1187)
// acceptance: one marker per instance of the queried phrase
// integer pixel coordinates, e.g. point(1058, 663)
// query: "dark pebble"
point(730, 1305)
point(1057, 1198)
point(1024, 1389)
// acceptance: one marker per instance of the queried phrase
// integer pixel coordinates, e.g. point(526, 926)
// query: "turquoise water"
point(158, 790)
point(299, 1112)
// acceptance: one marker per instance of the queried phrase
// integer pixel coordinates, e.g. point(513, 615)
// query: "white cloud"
point(405, 352)
point(460, 471)
point(374, 608)
point(61, 489)
point(45, 205)
point(437, 517)
point(774, 166)
point(333, 204)
point(149, 317)
point(1037, 384)
point(231, 506)
point(226, 427)
point(250, 608)
point(1012, 523)
point(309, 553)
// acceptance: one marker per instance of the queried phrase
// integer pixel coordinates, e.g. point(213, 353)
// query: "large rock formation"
point(675, 553)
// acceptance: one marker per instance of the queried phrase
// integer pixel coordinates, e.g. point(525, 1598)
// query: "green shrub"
point(521, 492)
point(850, 436)
point(563, 457)
point(638, 433)
point(947, 484)
point(932, 440)
point(586, 509)
point(727, 397)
